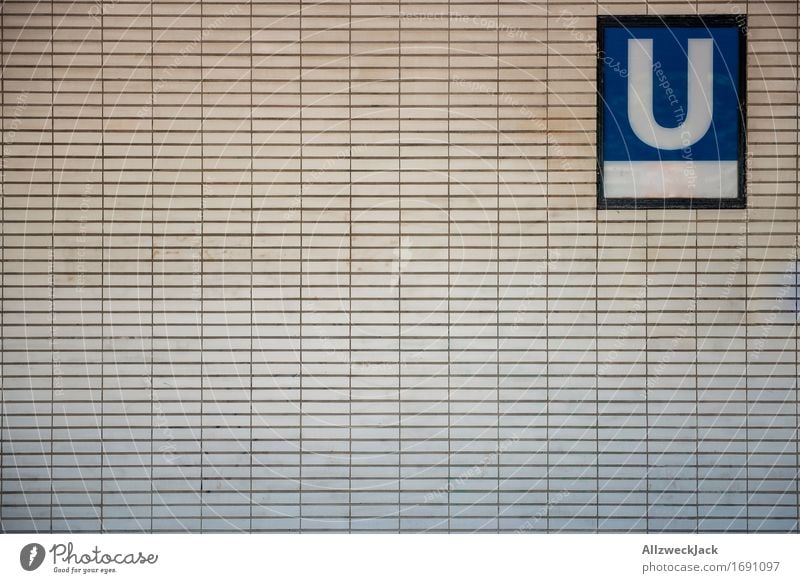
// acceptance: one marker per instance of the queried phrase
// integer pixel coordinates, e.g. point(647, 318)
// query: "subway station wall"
point(338, 266)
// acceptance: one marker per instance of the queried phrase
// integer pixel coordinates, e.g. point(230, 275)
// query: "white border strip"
point(678, 179)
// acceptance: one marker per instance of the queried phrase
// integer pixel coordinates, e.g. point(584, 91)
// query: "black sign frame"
point(708, 21)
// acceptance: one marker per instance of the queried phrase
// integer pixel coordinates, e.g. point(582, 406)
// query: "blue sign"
point(671, 113)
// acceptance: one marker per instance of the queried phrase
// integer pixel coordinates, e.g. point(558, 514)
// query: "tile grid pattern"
point(441, 332)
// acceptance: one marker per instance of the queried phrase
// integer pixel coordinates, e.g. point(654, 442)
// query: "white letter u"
point(699, 108)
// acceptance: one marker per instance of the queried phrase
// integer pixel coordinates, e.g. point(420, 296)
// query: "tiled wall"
point(337, 266)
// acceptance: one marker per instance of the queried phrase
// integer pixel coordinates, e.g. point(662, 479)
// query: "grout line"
point(152, 262)
point(201, 260)
point(252, 262)
point(300, 286)
point(2, 260)
point(399, 272)
point(497, 259)
point(647, 357)
point(747, 339)
point(52, 262)
point(449, 273)
point(350, 268)
point(596, 338)
point(695, 214)
point(547, 269)
point(796, 274)
point(102, 387)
